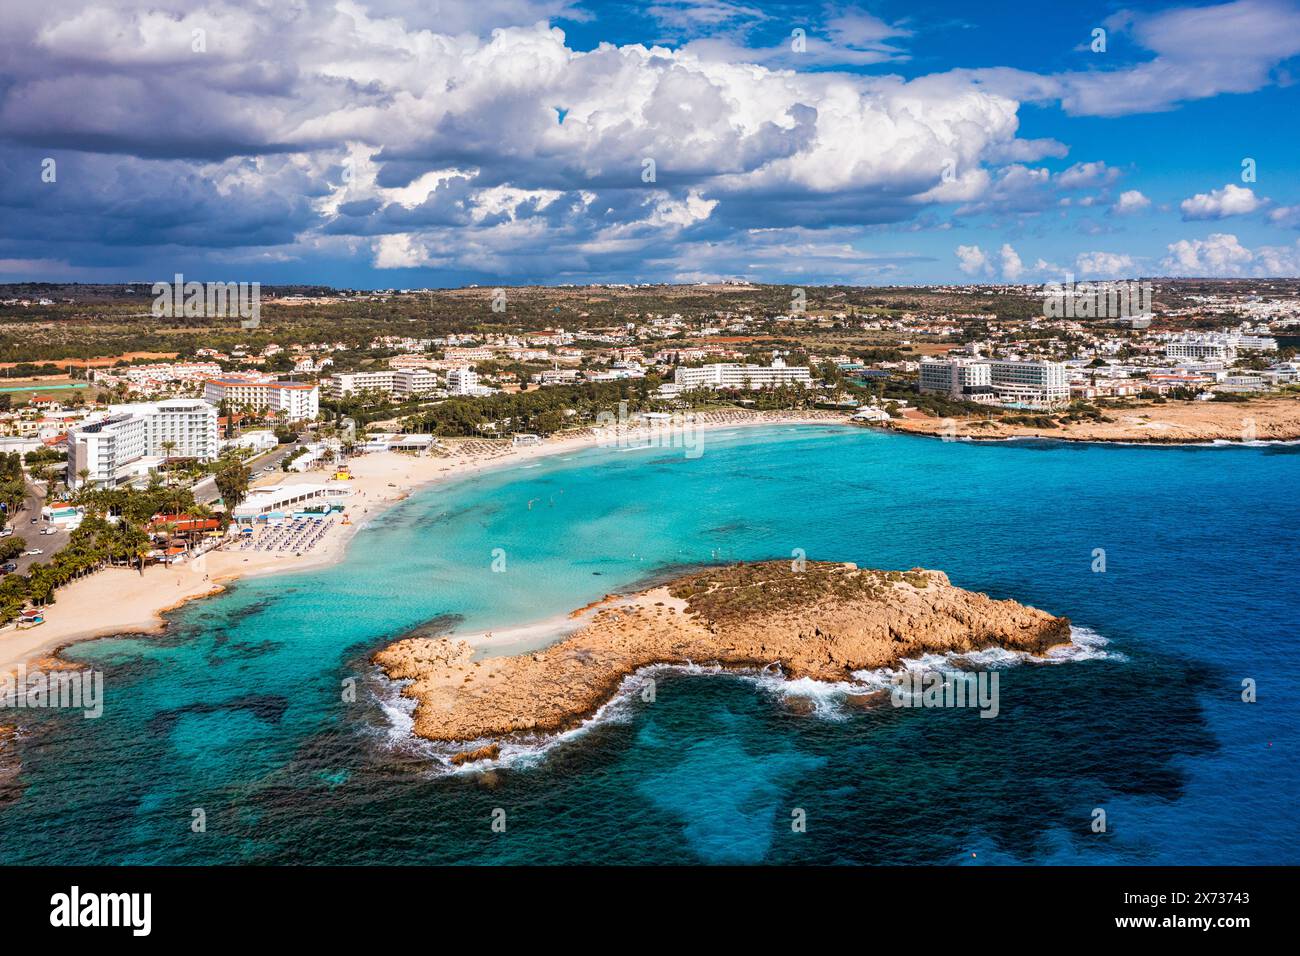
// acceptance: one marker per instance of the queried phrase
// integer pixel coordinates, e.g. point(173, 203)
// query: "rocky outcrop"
point(1173, 423)
point(489, 752)
point(823, 621)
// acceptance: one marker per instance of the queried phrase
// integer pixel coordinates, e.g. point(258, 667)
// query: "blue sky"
point(395, 143)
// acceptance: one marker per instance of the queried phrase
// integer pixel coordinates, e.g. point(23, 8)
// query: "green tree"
point(232, 483)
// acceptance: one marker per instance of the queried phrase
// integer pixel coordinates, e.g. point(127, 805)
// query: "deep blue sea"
point(238, 710)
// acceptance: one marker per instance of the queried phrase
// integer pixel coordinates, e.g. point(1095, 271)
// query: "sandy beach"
point(124, 601)
point(1268, 419)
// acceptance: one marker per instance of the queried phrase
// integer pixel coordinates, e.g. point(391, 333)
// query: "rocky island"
point(823, 621)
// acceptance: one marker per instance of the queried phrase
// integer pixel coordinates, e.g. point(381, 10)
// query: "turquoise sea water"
point(237, 710)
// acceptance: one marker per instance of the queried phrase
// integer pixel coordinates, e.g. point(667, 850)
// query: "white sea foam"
point(399, 710)
point(826, 698)
point(1085, 645)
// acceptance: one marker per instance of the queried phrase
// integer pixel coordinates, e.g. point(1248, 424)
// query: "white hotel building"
point(402, 382)
point(463, 381)
point(351, 383)
point(964, 381)
point(1010, 383)
point(135, 439)
point(1216, 346)
point(726, 375)
point(299, 401)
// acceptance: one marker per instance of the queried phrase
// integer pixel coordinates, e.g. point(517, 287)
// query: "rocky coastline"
point(822, 621)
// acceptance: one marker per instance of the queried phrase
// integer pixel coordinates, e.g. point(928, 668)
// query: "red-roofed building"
point(184, 524)
point(299, 401)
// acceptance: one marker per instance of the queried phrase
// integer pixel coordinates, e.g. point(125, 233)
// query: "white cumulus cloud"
point(1104, 265)
point(1219, 255)
point(1231, 200)
point(1131, 201)
point(1012, 267)
point(971, 259)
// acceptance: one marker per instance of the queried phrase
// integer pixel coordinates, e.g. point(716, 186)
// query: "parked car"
point(8, 567)
point(6, 532)
point(33, 551)
point(36, 521)
point(49, 531)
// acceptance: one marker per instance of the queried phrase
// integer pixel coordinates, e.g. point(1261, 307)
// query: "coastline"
point(823, 622)
point(123, 601)
point(1275, 419)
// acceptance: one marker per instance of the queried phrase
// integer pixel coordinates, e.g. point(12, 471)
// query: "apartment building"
point(134, 439)
point(556, 376)
point(468, 355)
point(462, 381)
point(411, 361)
point(408, 382)
point(1006, 382)
point(157, 373)
point(1202, 348)
point(350, 383)
point(728, 375)
point(400, 382)
point(1030, 384)
point(960, 381)
point(299, 401)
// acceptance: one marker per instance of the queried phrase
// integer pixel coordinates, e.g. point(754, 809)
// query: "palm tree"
point(168, 447)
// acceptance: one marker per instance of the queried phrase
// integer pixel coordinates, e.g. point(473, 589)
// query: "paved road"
point(205, 491)
point(22, 527)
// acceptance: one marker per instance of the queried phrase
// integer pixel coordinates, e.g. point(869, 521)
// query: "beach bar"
point(273, 502)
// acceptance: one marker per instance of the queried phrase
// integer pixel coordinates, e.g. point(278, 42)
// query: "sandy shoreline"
point(124, 601)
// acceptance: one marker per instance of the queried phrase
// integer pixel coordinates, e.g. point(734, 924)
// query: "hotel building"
point(413, 381)
point(1217, 346)
point(462, 381)
point(1016, 384)
point(299, 401)
point(960, 381)
point(1030, 384)
point(134, 439)
point(727, 375)
point(350, 383)
point(401, 382)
